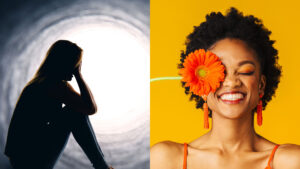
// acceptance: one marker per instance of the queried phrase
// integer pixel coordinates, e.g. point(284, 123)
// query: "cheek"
point(212, 101)
point(252, 87)
point(252, 84)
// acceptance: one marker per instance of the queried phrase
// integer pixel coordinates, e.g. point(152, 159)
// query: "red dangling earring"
point(205, 108)
point(259, 111)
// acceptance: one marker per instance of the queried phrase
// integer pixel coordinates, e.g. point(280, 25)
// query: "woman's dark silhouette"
point(49, 109)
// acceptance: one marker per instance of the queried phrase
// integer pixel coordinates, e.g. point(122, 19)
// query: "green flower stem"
point(166, 78)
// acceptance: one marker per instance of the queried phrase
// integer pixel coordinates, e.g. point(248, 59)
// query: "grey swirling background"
point(28, 28)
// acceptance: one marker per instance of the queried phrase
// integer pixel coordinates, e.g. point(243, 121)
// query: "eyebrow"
point(246, 62)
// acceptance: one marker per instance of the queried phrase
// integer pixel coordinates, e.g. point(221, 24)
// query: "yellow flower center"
point(201, 72)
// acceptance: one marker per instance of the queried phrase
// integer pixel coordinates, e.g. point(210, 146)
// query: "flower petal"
point(208, 62)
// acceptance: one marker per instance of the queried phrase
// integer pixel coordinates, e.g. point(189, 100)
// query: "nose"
point(232, 81)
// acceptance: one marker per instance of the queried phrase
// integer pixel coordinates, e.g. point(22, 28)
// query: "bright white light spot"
point(116, 68)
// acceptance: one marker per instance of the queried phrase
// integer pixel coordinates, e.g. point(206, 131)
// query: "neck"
point(232, 135)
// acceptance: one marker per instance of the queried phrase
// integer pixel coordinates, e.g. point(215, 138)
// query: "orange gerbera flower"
point(202, 72)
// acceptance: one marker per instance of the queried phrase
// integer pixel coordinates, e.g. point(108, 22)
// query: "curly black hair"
point(237, 26)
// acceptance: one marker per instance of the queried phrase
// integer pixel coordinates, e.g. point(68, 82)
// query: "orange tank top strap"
point(185, 153)
point(271, 157)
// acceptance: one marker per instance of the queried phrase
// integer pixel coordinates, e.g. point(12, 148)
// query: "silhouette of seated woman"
point(49, 109)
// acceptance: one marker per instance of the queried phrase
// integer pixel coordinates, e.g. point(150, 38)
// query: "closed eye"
point(247, 73)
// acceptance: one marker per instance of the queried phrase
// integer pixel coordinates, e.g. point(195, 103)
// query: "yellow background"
point(173, 116)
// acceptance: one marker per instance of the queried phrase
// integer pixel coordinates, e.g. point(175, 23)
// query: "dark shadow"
point(49, 110)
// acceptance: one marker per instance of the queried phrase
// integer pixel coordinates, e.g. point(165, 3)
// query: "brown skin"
point(232, 143)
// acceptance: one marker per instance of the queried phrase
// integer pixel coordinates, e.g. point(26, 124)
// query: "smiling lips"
point(232, 97)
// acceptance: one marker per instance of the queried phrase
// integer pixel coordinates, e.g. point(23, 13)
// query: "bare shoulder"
point(287, 156)
point(167, 155)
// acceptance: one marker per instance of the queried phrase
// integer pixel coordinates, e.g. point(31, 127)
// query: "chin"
point(230, 114)
point(233, 111)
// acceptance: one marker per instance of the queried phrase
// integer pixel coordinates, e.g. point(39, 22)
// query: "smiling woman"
point(243, 84)
point(252, 75)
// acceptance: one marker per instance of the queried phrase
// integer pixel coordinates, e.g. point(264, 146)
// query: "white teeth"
point(235, 96)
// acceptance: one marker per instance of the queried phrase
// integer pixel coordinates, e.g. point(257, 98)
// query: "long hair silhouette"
point(60, 61)
point(40, 125)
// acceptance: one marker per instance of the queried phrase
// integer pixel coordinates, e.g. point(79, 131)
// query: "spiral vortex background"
point(27, 30)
